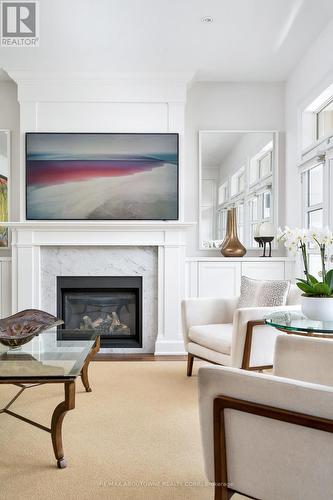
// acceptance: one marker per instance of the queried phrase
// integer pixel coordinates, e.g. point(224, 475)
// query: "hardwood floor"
point(102, 356)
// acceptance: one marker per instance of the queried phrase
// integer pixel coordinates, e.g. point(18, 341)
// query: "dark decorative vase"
point(231, 246)
point(21, 327)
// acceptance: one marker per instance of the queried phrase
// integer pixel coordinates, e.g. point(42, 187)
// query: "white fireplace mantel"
point(169, 237)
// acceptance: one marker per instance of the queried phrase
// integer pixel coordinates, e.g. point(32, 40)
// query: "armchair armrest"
point(248, 320)
point(206, 311)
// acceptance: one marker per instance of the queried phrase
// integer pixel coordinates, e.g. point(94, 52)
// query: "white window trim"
point(238, 173)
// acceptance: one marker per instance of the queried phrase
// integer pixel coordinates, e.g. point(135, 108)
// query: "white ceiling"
point(249, 40)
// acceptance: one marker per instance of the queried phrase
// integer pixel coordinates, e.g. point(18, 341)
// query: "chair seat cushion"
point(215, 337)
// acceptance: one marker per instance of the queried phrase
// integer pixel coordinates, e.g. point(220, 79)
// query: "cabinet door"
point(263, 270)
point(219, 279)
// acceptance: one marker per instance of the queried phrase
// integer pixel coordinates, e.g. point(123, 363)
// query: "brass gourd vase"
point(231, 246)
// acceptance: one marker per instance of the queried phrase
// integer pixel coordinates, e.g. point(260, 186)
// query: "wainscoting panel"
point(221, 277)
point(264, 270)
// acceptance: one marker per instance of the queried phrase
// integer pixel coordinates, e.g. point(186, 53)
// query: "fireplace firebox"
point(111, 305)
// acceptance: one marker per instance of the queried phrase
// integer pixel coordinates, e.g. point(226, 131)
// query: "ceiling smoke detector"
point(207, 19)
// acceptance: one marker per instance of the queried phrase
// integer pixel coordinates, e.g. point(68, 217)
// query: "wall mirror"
point(236, 169)
point(4, 179)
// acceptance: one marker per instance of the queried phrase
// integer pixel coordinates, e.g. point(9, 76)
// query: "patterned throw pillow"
point(263, 293)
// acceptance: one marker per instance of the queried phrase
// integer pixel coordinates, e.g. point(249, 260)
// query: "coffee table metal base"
point(60, 411)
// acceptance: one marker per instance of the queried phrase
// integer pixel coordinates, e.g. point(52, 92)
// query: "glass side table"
point(48, 361)
point(296, 323)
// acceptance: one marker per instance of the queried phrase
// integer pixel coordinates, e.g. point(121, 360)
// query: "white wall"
point(311, 76)
point(229, 106)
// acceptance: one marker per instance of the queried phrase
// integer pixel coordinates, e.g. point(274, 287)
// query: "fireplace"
point(111, 305)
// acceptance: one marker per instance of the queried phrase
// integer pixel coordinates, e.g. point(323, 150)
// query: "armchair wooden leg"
point(190, 359)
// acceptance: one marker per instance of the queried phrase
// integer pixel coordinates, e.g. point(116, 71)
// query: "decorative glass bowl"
point(20, 328)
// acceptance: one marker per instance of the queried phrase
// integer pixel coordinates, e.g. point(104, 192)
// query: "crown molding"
point(101, 87)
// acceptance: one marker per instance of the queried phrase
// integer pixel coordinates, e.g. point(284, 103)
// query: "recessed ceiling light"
point(207, 19)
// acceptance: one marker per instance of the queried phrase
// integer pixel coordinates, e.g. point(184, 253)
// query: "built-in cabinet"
point(221, 277)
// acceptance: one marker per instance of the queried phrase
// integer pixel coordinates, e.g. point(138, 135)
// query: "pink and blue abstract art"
point(80, 176)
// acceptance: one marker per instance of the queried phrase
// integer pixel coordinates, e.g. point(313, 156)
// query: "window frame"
point(307, 207)
point(240, 172)
point(317, 112)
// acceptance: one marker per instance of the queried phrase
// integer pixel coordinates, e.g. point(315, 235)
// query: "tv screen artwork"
point(101, 176)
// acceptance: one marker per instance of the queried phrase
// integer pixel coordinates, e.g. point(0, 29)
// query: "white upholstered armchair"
point(216, 331)
point(268, 436)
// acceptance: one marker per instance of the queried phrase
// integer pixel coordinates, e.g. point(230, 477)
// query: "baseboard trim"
point(169, 348)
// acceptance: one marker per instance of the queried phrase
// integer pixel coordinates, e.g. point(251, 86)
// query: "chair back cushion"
point(263, 293)
point(304, 358)
point(294, 296)
point(266, 458)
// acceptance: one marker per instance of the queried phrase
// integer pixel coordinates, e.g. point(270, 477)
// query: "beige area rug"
point(136, 436)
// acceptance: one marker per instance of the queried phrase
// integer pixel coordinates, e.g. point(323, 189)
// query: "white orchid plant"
point(298, 240)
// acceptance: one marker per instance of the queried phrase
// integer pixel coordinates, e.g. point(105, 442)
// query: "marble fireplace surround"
point(42, 250)
point(105, 261)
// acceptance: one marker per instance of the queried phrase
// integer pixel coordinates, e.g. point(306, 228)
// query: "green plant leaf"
point(329, 278)
point(312, 279)
point(303, 281)
point(322, 289)
point(306, 288)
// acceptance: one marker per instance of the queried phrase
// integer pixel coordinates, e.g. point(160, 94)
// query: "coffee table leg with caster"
point(56, 422)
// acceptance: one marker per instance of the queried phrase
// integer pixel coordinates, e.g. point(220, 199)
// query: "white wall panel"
point(263, 270)
point(102, 117)
point(219, 279)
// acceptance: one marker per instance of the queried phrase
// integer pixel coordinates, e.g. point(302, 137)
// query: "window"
point(261, 165)
point(314, 264)
point(255, 215)
point(241, 182)
point(240, 221)
point(260, 211)
point(325, 120)
point(313, 188)
point(267, 199)
point(317, 121)
point(237, 182)
point(223, 193)
point(222, 223)
point(265, 165)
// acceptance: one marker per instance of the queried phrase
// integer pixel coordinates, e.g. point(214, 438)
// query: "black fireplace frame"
point(108, 284)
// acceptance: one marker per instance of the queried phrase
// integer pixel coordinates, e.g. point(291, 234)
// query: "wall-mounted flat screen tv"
point(111, 176)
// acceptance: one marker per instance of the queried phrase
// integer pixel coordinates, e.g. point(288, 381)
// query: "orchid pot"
point(317, 297)
point(317, 308)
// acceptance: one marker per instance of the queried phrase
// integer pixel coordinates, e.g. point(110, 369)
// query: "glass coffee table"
point(48, 360)
point(296, 323)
